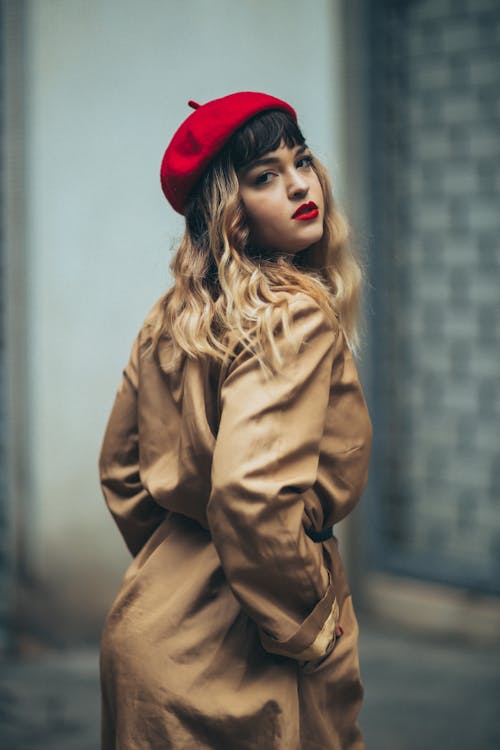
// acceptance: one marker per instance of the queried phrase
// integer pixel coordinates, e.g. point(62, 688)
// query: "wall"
point(4, 551)
point(435, 190)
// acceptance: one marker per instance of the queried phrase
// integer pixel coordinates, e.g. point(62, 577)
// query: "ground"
point(421, 694)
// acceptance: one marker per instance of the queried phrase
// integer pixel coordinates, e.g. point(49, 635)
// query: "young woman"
point(238, 437)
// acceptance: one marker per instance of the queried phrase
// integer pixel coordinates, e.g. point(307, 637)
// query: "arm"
point(135, 512)
point(266, 456)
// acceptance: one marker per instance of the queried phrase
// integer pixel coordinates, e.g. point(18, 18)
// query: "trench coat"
point(222, 635)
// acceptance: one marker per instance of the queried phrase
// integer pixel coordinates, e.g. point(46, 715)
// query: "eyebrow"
point(267, 160)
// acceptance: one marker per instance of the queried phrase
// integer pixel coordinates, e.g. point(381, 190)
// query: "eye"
point(304, 161)
point(263, 178)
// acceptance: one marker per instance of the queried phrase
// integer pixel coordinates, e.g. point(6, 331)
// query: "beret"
point(203, 134)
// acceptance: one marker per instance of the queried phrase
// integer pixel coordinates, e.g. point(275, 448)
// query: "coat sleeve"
point(134, 510)
point(266, 457)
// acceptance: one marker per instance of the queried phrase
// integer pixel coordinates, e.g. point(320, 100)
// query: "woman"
point(238, 437)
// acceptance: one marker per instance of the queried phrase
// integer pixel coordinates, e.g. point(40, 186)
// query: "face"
point(283, 200)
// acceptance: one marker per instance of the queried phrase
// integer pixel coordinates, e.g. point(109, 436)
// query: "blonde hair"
point(221, 285)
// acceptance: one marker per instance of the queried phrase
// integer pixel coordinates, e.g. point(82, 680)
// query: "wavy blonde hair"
point(222, 284)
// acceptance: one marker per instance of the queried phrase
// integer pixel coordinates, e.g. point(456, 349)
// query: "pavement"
point(421, 693)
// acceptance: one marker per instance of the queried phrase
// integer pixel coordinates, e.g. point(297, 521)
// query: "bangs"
point(264, 132)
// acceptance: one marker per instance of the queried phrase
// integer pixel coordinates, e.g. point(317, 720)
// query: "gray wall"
point(436, 275)
point(4, 562)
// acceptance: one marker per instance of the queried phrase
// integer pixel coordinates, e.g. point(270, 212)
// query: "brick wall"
point(435, 186)
point(4, 562)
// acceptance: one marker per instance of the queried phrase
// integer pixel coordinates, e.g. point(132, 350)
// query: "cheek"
point(261, 218)
point(317, 189)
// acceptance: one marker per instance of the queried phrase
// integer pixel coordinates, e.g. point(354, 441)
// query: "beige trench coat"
point(222, 635)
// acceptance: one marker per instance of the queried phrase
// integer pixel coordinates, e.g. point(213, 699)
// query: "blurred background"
point(401, 101)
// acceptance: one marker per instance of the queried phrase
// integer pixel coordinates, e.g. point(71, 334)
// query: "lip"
point(306, 212)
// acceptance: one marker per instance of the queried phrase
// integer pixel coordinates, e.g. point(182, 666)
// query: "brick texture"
point(435, 186)
point(4, 561)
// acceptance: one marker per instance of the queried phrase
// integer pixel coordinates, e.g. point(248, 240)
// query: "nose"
point(298, 186)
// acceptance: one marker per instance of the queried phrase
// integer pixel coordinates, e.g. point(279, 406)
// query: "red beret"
point(203, 134)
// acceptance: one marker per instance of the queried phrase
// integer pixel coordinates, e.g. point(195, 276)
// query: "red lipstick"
point(306, 212)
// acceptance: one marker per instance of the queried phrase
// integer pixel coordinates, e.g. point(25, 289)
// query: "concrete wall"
point(107, 84)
